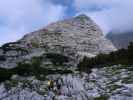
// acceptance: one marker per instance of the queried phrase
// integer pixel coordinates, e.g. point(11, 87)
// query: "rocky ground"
point(107, 83)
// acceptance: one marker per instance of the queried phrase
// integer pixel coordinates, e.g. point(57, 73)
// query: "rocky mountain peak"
point(81, 34)
point(81, 23)
point(83, 16)
point(74, 37)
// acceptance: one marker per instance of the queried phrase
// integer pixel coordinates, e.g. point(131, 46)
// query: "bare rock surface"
point(105, 83)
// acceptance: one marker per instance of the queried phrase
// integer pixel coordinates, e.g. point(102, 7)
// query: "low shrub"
point(23, 69)
point(57, 59)
point(2, 58)
point(122, 56)
point(34, 68)
point(5, 74)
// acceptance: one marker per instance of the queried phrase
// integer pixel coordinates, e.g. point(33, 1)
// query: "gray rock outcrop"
point(107, 83)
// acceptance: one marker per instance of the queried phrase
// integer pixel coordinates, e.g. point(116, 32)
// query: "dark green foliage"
point(122, 56)
point(35, 45)
point(6, 46)
point(2, 58)
point(11, 46)
point(34, 68)
point(28, 69)
point(23, 69)
point(101, 98)
point(130, 50)
point(84, 65)
point(57, 59)
point(5, 74)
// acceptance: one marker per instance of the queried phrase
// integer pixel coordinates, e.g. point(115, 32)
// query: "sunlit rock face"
point(75, 37)
point(78, 35)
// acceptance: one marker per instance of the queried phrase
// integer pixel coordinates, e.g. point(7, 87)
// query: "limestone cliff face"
point(78, 35)
point(75, 37)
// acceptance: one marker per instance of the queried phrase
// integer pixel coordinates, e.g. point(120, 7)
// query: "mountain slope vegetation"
point(121, 56)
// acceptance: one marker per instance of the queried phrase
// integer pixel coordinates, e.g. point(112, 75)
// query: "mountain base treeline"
point(121, 56)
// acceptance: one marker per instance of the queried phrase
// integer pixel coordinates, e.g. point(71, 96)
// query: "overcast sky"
point(18, 17)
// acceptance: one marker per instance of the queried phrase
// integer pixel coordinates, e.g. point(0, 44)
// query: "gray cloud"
point(21, 16)
point(111, 15)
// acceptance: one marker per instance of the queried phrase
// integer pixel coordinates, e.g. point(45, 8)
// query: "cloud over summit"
point(111, 15)
point(18, 17)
